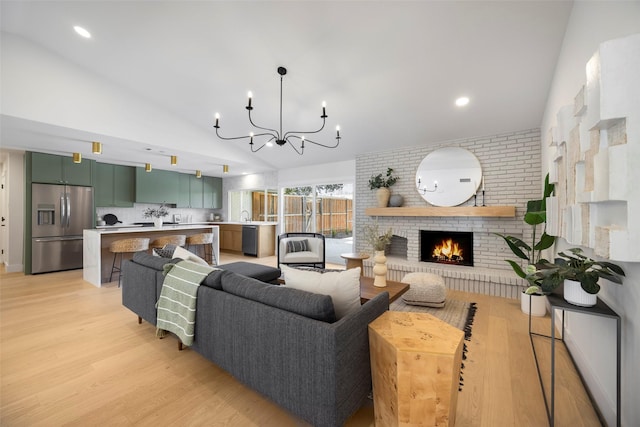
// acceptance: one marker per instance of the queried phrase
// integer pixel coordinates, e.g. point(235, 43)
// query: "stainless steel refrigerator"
point(59, 215)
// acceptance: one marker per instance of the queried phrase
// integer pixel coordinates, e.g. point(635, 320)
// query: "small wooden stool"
point(160, 242)
point(125, 246)
point(203, 240)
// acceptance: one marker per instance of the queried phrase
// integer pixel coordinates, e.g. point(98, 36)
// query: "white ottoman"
point(426, 289)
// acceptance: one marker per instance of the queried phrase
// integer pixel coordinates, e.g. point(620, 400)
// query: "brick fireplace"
point(511, 167)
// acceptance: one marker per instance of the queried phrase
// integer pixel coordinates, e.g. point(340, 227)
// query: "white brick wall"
point(511, 164)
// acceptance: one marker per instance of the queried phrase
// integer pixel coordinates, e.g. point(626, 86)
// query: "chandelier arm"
point(293, 132)
point(316, 143)
point(300, 152)
point(260, 148)
point(272, 132)
point(244, 137)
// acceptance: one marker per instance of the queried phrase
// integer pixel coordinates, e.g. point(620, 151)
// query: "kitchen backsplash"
point(136, 213)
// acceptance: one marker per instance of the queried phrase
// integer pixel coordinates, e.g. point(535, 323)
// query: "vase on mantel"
point(157, 222)
point(380, 269)
point(383, 194)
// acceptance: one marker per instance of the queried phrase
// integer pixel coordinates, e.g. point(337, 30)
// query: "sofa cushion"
point(314, 306)
point(214, 279)
point(261, 272)
point(343, 287)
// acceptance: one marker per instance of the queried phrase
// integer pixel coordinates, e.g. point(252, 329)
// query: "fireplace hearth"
point(447, 247)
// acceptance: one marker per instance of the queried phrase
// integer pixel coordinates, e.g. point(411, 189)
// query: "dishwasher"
point(250, 240)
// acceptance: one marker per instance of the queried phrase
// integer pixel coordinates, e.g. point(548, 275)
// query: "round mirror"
point(448, 176)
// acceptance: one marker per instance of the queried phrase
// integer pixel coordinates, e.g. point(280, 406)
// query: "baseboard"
point(13, 268)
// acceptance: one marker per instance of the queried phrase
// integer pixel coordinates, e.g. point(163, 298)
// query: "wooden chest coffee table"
point(368, 291)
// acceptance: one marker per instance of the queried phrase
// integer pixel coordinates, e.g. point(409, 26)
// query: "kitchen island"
point(97, 259)
point(231, 236)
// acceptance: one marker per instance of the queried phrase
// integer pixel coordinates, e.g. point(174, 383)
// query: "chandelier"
point(296, 139)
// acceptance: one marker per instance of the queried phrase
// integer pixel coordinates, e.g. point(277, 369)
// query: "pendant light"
point(96, 147)
point(147, 167)
point(77, 157)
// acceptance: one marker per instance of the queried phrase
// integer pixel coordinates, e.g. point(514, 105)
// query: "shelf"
point(479, 211)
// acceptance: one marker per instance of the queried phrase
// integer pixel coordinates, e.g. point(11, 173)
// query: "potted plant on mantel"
point(382, 184)
point(581, 275)
point(378, 242)
point(157, 214)
point(540, 282)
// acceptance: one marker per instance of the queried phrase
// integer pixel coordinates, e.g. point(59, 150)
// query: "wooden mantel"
point(488, 211)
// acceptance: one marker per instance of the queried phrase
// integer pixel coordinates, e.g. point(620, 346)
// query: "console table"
point(557, 302)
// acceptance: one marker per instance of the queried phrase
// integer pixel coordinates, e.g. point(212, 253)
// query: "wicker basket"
point(129, 245)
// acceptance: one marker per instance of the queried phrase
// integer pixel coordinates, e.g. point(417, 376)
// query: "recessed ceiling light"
point(84, 33)
point(462, 101)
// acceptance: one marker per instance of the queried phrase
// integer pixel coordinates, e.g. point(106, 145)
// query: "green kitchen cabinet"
point(157, 186)
point(196, 189)
point(115, 185)
point(53, 169)
point(212, 192)
point(190, 192)
point(184, 193)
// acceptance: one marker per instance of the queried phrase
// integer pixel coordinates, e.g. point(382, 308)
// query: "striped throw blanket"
point(177, 303)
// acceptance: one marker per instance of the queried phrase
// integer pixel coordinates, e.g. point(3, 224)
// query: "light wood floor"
point(71, 354)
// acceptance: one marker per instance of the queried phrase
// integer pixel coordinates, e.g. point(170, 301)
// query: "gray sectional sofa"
point(284, 343)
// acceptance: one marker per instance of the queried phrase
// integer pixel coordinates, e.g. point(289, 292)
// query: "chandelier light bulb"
point(250, 95)
point(82, 32)
point(269, 144)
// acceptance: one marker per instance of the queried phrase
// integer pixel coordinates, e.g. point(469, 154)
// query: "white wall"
point(592, 339)
point(328, 173)
point(13, 171)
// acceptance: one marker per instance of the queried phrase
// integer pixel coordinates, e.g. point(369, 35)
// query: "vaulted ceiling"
point(150, 79)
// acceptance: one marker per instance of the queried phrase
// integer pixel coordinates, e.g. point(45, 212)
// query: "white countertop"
point(110, 229)
point(242, 222)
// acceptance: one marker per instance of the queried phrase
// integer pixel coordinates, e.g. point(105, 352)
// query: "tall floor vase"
point(380, 269)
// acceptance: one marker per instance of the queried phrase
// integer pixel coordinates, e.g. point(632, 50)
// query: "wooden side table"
point(355, 260)
point(415, 367)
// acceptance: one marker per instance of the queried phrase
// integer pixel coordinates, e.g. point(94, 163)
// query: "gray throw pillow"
point(298, 245)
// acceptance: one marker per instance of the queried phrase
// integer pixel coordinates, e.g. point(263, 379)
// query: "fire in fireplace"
point(446, 247)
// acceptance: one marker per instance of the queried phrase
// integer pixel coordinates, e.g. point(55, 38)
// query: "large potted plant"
point(540, 282)
point(581, 275)
point(381, 184)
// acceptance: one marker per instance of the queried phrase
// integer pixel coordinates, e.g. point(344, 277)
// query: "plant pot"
point(574, 294)
point(538, 304)
point(383, 194)
point(157, 222)
point(380, 269)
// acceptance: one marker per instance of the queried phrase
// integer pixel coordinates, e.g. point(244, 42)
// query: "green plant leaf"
point(613, 267)
point(536, 212)
point(516, 267)
point(589, 282)
point(545, 242)
point(515, 244)
point(548, 188)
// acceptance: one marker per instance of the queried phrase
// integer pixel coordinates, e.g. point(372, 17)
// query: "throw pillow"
point(343, 287)
point(297, 245)
point(182, 253)
point(166, 251)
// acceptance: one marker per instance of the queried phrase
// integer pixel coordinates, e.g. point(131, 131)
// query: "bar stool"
point(160, 242)
point(203, 240)
point(125, 246)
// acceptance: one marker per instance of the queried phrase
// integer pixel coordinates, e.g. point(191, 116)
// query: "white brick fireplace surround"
point(512, 171)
